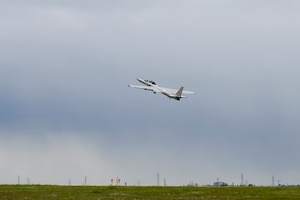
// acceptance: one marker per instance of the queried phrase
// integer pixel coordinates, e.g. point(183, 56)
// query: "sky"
point(66, 111)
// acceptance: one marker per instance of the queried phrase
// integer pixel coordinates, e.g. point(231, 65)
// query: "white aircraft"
point(171, 93)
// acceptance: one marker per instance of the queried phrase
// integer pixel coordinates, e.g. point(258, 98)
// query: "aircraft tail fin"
point(179, 92)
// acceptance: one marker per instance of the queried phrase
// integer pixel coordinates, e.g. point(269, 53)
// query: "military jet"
point(152, 86)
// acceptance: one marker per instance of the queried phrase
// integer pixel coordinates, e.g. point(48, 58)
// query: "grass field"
point(46, 192)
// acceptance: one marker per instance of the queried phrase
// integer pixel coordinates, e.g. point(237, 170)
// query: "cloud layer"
point(67, 113)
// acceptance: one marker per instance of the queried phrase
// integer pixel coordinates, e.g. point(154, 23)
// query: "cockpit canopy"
point(152, 82)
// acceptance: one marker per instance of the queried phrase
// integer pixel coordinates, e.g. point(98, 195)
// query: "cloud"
point(47, 158)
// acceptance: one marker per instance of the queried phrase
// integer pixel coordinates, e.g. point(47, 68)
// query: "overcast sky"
point(66, 111)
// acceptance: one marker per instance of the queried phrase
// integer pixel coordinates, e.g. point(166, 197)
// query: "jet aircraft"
point(152, 86)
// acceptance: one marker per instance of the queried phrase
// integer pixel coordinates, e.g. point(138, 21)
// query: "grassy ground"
point(46, 192)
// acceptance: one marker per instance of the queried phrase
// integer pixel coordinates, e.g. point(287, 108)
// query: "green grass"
point(45, 192)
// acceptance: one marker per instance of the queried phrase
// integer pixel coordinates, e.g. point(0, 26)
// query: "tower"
point(242, 179)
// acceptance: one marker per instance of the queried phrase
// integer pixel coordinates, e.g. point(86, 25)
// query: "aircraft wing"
point(144, 87)
point(174, 91)
point(187, 92)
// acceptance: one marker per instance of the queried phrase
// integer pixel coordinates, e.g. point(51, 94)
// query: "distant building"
point(218, 184)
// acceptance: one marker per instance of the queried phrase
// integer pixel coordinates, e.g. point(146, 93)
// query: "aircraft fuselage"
point(161, 90)
point(152, 86)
